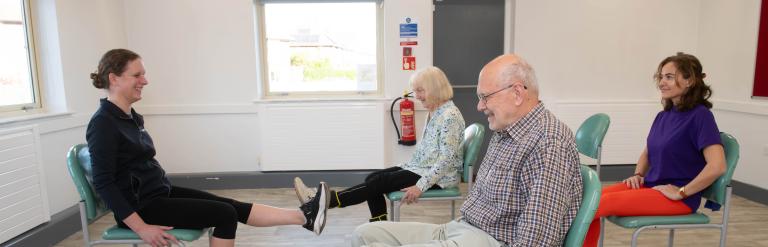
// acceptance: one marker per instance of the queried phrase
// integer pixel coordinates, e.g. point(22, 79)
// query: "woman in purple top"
point(683, 153)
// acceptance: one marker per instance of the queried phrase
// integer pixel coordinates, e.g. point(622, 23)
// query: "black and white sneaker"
point(314, 210)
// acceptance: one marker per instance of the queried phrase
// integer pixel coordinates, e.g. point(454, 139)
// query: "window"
point(319, 48)
point(18, 86)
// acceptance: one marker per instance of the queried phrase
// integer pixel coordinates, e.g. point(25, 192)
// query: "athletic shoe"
point(314, 210)
point(304, 193)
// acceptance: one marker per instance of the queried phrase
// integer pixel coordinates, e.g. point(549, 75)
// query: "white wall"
point(727, 47)
point(201, 58)
point(599, 55)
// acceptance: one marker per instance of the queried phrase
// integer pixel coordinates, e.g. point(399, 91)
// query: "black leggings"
point(375, 186)
point(194, 209)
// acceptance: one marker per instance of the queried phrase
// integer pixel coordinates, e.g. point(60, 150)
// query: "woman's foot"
point(314, 210)
point(304, 193)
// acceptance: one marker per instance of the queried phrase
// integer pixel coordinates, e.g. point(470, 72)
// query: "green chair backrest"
point(79, 166)
point(587, 210)
point(716, 191)
point(591, 134)
point(470, 145)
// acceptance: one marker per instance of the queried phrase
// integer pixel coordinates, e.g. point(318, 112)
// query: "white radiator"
point(322, 136)
point(23, 200)
point(630, 123)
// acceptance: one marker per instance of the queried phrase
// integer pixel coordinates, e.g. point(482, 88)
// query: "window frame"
point(33, 68)
point(263, 64)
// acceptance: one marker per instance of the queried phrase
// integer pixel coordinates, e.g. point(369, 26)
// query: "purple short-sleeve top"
point(676, 145)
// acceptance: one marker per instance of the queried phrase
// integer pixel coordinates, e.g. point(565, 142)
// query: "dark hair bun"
point(96, 81)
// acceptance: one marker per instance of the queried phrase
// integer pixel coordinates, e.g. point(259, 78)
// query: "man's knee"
point(363, 230)
point(365, 234)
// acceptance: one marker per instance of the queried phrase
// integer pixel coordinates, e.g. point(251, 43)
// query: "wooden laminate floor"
point(747, 224)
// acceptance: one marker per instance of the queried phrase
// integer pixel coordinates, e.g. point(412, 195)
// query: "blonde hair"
point(434, 81)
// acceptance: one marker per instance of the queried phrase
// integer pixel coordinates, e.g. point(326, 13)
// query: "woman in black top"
point(132, 183)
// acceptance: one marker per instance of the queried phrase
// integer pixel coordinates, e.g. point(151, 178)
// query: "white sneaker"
point(304, 193)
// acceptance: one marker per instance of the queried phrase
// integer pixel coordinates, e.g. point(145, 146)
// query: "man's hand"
point(156, 236)
point(411, 194)
point(670, 191)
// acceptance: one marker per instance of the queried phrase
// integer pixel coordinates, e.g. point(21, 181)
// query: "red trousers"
point(621, 200)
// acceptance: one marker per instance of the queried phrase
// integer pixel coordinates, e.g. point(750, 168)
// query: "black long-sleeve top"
point(125, 172)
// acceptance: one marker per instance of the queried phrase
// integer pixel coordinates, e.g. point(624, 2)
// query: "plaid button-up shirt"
point(529, 187)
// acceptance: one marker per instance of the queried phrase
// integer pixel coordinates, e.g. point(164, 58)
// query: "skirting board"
point(62, 225)
point(67, 222)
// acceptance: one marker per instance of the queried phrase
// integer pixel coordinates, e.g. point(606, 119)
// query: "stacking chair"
point(717, 194)
point(590, 135)
point(589, 202)
point(473, 140)
point(92, 207)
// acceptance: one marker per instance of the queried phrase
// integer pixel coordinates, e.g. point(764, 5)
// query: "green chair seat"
point(118, 233)
point(449, 192)
point(641, 221)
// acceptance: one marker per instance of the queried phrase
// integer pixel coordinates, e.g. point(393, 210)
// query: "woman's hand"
point(411, 194)
point(670, 191)
point(634, 182)
point(156, 236)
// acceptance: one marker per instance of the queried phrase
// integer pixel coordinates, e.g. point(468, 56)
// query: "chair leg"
point(602, 232)
point(396, 211)
point(84, 225)
point(635, 235)
point(671, 237)
point(723, 231)
point(453, 209)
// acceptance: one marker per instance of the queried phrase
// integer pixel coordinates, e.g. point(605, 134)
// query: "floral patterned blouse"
point(438, 156)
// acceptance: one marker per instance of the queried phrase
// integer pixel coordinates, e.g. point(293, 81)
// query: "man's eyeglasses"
point(484, 97)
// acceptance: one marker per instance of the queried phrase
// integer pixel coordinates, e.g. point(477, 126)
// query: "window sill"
point(12, 118)
point(309, 100)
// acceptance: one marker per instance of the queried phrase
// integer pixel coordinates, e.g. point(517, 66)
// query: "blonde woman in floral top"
point(435, 164)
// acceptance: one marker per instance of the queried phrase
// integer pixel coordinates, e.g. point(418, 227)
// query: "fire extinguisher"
point(407, 122)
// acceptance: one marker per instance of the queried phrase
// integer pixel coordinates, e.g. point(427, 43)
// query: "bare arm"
point(715, 167)
point(636, 181)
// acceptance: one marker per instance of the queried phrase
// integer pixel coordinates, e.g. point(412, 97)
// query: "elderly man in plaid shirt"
point(528, 188)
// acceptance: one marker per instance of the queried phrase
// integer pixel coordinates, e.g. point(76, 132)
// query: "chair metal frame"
point(469, 142)
point(731, 147)
point(723, 225)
